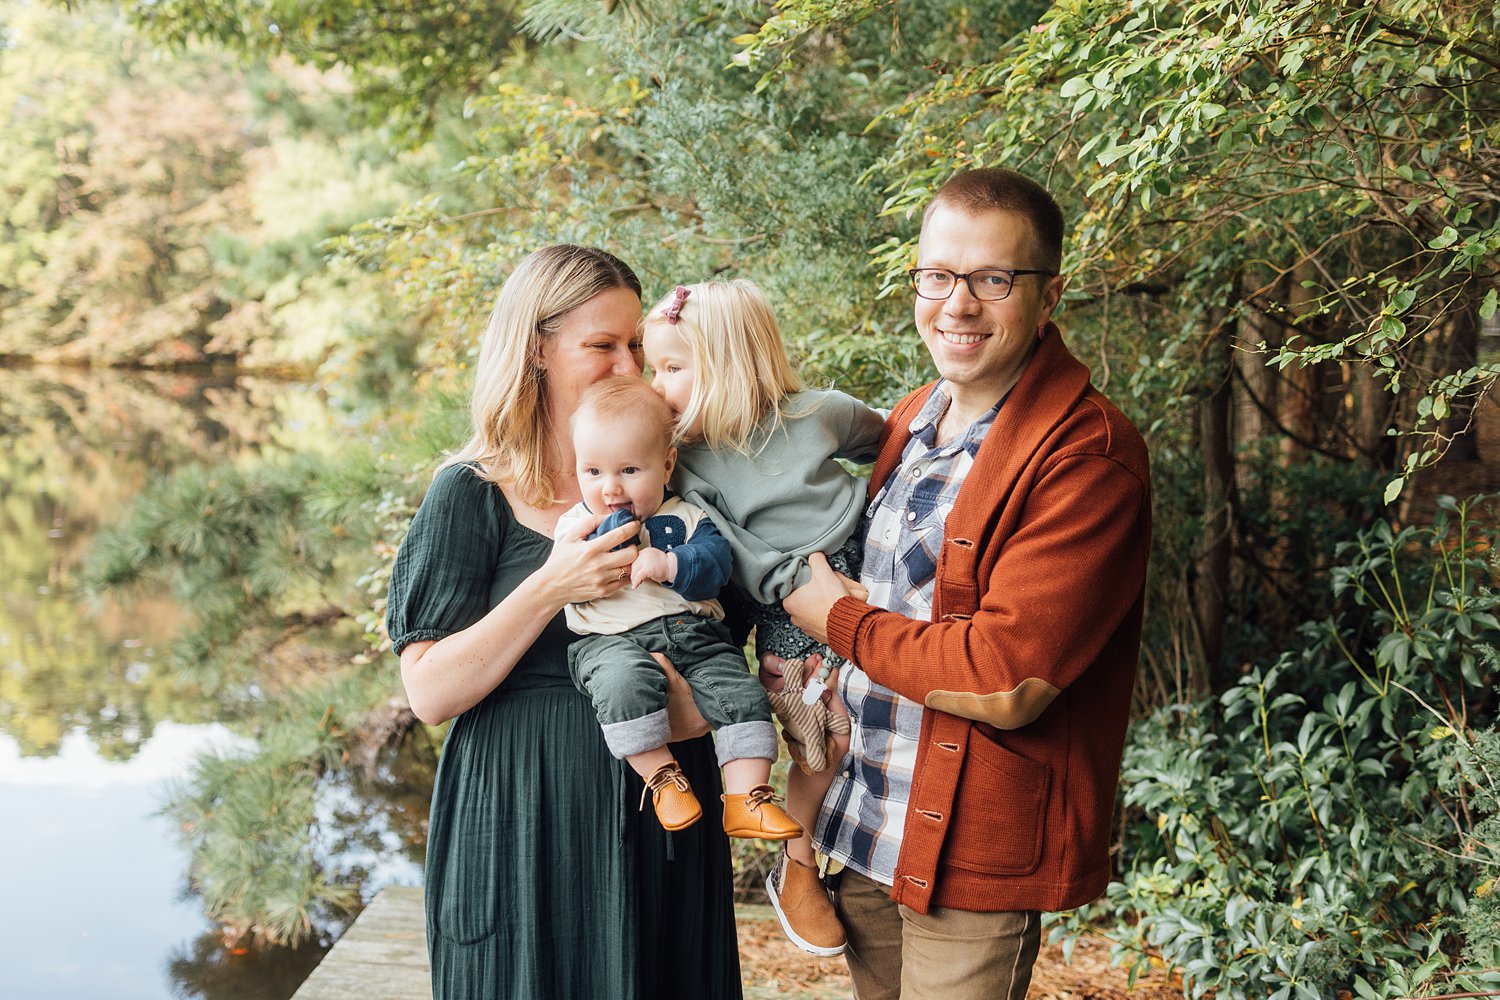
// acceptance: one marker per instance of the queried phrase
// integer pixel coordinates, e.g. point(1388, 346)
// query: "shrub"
point(1332, 822)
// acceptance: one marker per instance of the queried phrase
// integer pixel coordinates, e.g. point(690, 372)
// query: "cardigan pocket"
point(999, 810)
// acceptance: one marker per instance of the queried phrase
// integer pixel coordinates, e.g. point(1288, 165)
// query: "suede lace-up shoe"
point(803, 907)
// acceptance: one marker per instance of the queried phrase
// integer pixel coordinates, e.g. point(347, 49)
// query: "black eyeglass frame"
point(915, 275)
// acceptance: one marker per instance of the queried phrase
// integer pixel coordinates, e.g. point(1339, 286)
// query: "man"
point(1005, 565)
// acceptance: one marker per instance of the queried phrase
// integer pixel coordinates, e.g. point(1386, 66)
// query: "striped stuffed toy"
point(810, 730)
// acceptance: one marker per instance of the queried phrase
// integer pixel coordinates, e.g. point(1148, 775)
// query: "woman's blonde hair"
point(741, 374)
point(512, 440)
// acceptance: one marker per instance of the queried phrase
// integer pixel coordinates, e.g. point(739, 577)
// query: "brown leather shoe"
point(803, 907)
point(755, 814)
point(676, 805)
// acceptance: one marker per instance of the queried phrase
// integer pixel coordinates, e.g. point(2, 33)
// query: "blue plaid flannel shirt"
point(864, 812)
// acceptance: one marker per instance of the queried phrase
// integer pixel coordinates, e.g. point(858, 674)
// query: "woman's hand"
point(584, 569)
point(683, 717)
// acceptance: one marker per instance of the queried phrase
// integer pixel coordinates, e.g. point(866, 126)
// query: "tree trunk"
point(1373, 413)
point(1254, 415)
point(1215, 438)
point(1463, 353)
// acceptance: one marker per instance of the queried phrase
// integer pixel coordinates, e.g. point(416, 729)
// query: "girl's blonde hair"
point(512, 439)
point(741, 374)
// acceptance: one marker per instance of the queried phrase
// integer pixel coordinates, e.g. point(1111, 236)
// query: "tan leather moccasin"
point(756, 815)
point(676, 806)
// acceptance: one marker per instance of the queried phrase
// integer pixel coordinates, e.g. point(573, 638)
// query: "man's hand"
point(810, 603)
point(653, 564)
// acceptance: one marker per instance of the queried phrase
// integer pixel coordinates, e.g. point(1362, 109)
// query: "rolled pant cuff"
point(745, 739)
point(637, 735)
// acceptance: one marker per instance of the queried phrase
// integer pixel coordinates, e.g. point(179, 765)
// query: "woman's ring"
point(624, 572)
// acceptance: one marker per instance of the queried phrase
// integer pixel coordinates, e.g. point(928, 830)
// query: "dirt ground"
point(775, 970)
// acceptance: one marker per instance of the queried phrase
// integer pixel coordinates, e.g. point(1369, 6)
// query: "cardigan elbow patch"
point(1003, 709)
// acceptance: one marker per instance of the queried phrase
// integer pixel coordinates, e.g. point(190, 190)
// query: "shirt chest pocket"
point(925, 512)
point(920, 527)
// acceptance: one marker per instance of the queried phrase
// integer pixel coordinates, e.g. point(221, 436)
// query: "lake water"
point(94, 726)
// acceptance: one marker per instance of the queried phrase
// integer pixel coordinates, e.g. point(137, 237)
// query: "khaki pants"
point(895, 953)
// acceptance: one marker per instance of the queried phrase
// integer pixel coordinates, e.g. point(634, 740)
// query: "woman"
point(544, 877)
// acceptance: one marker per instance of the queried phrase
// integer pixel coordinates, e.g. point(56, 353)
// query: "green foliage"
point(78, 446)
point(633, 129)
point(166, 210)
point(50, 76)
point(406, 57)
point(109, 201)
point(1329, 822)
point(1291, 520)
point(264, 554)
point(1218, 155)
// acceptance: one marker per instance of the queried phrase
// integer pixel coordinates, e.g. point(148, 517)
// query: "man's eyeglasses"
point(990, 284)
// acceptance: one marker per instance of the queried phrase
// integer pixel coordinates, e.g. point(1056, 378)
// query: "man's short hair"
point(990, 189)
point(626, 399)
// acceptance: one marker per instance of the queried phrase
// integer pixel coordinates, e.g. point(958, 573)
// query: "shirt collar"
point(924, 425)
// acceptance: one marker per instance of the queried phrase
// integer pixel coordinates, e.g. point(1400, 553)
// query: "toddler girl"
point(758, 454)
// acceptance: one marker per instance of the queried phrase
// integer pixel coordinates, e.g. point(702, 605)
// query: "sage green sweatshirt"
point(789, 498)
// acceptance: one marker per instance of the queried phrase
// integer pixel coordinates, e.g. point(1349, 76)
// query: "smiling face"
point(592, 342)
point(981, 348)
point(622, 463)
point(671, 361)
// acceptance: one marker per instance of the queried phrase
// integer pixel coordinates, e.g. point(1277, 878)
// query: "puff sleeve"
point(444, 570)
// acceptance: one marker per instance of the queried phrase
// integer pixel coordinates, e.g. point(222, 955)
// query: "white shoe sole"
point(786, 926)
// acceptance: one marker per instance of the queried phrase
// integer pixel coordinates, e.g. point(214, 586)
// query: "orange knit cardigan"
point(1027, 665)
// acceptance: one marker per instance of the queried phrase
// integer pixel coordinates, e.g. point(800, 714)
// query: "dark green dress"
point(544, 879)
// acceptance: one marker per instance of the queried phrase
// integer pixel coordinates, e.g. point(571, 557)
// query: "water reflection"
point(207, 969)
point(91, 899)
point(75, 448)
point(94, 722)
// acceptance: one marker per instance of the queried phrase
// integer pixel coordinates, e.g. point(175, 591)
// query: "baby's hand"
point(653, 564)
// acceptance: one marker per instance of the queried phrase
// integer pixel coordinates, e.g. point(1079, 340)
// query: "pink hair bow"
point(673, 311)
